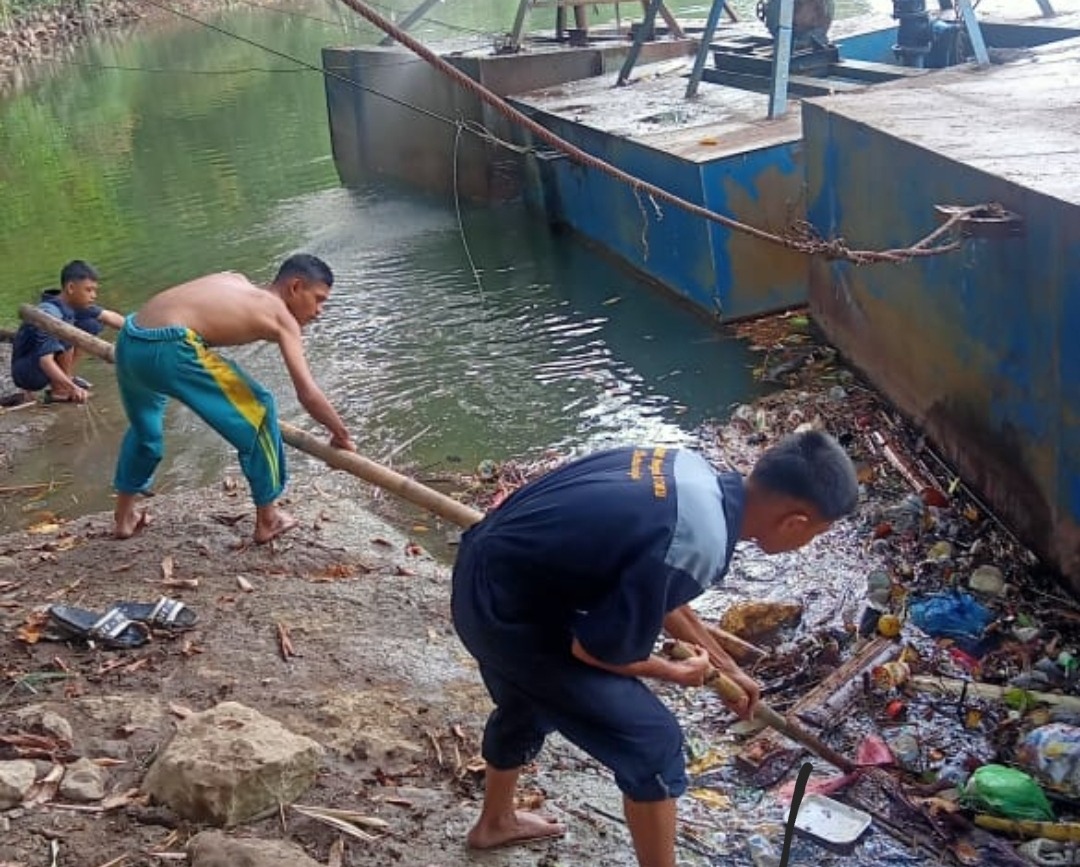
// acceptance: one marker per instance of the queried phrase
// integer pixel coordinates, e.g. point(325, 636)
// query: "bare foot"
point(271, 522)
point(129, 524)
point(521, 827)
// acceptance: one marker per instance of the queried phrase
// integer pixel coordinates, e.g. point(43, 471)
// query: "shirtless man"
point(164, 351)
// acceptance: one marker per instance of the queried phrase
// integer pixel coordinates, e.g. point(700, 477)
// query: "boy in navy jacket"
point(562, 592)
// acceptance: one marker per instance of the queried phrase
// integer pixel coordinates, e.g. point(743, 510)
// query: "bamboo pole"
point(730, 691)
point(359, 466)
point(363, 468)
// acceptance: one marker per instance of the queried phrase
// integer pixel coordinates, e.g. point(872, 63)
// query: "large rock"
point(214, 849)
point(16, 778)
point(230, 764)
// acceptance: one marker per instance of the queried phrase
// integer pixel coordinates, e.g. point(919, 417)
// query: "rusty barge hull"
point(980, 348)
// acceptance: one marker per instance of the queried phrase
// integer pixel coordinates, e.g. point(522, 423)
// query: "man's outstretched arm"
point(309, 394)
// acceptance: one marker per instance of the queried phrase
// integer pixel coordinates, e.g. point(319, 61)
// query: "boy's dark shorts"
point(27, 373)
point(538, 687)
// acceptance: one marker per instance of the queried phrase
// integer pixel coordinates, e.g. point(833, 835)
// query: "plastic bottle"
point(762, 852)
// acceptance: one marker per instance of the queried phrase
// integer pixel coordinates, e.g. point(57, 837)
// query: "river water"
point(180, 150)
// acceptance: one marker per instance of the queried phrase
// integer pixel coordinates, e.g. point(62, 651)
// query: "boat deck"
point(651, 110)
point(1019, 121)
point(958, 109)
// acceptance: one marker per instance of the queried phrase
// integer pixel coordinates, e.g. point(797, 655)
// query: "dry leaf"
point(33, 626)
point(413, 550)
point(123, 567)
point(383, 542)
point(530, 800)
point(182, 583)
point(244, 584)
point(407, 573)
point(179, 710)
point(714, 799)
point(167, 569)
point(43, 527)
point(106, 762)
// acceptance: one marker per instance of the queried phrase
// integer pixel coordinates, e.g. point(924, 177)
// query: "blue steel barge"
point(974, 346)
point(980, 348)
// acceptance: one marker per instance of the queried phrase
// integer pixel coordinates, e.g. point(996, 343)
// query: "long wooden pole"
point(359, 466)
point(376, 474)
point(731, 691)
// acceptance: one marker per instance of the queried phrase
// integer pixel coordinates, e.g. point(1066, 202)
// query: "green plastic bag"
point(1007, 792)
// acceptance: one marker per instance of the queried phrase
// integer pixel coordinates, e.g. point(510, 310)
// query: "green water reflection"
point(179, 150)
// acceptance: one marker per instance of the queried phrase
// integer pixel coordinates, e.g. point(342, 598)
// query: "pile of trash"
point(954, 687)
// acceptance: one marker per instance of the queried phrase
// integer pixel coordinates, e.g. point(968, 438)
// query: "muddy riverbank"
point(341, 632)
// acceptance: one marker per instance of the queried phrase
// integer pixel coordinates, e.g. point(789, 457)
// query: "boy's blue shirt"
point(603, 548)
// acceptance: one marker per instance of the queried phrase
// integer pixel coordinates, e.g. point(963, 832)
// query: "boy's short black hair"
point(76, 270)
point(814, 468)
point(309, 268)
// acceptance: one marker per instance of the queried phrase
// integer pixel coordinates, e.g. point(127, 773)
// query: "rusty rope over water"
point(801, 239)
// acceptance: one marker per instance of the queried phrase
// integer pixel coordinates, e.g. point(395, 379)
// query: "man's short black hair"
point(76, 270)
point(814, 468)
point(310, 269)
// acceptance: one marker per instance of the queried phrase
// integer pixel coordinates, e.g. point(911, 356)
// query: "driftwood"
point(741, 651)
point(1063, 832)
point(955, 687)
point(832, 697)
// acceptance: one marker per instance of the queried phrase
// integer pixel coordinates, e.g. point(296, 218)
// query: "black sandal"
point(166, 613)
point(113, 629)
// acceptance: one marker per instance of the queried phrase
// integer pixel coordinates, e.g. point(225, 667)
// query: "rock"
point(837, 393)
point(229, 764)
point(83, 781)
point(41, 720)
point(756, 620)
point(16, 778)
point(7, 563)
point(988, 580)
point(214, 849)
point(109, 749)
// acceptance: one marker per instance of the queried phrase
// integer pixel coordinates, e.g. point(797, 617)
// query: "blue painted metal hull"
point(725, 274)
point(979, 347)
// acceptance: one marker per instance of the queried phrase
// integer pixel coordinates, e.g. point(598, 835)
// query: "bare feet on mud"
point(130, 523)
point(518, 828)
point(270, 523)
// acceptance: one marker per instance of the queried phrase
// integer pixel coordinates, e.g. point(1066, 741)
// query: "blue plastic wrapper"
point(955, 615)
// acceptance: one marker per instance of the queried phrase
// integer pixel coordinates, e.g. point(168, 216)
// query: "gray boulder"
point(230, 764)
point(16, 778)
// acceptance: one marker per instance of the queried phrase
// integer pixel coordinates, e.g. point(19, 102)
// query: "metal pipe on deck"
point(781, 66)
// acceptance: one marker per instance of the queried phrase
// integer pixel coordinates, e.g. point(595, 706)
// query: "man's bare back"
point(224, 309)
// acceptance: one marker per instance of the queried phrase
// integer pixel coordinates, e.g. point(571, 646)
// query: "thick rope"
point(804, 239)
